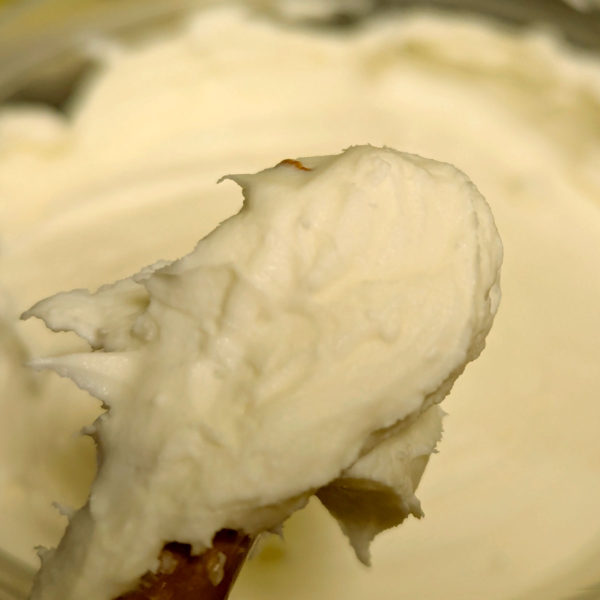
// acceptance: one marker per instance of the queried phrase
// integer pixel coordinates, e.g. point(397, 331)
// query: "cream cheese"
point(281, 356)
point(517, 111)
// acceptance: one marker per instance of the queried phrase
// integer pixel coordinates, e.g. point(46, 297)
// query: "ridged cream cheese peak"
point(300, 348)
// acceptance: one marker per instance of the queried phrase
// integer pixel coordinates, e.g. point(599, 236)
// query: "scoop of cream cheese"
point(301, 348)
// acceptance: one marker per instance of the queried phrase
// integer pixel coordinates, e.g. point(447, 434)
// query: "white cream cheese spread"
point(136, 157)
point(284, 353)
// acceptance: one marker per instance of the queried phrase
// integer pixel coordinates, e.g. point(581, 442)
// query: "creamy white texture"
point(518, 112)
point(339, 304)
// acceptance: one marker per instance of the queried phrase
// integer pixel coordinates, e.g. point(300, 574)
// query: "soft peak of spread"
point(297, 346)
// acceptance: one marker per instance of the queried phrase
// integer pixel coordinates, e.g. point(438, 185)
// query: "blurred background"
point(45, 45)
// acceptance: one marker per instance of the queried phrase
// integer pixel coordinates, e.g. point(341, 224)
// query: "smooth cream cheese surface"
point(518, 112)
point(338, 306)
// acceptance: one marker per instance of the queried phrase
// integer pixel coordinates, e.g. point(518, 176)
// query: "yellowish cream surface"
point(136, 159)
point(300, 348)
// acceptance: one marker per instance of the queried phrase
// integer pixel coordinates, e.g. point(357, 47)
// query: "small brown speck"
point(294, 163)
